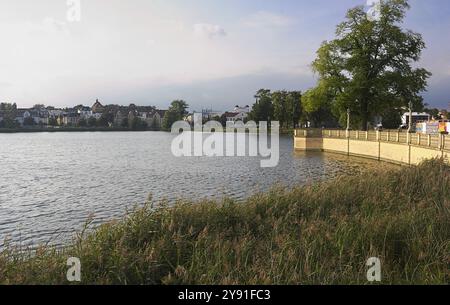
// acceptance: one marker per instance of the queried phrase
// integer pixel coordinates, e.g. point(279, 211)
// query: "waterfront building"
point(97, 107)
point(118, 118)
point(245, 109)
point(21, 115)
point(235, 116)
point(209, 114)
point(71, 118)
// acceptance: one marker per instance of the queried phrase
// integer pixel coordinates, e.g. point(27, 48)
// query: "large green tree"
point(369, 67)
point(177, 111)
point(262, 110)
point(9, 112)
point(294, 108)
point(287, 107)
point(282, 106)
point(280, 111)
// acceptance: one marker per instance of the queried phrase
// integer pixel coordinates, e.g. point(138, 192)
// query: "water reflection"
point(51, 182)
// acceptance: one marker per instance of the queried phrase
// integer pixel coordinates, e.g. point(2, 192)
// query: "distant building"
point(71, 118)
point(55, 113)
point(235, 116)
point(118, 118)
point(97, 107)
point(40, 116)
point(153, 118)
point(245, 109)
point(85, 112)
point(159, 116)
point(209, 114)
point(416, 118)
point(238, 114)
point(21, 115)
point(132, 115)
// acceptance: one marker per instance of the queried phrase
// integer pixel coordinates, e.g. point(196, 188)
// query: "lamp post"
point(410, 105)
point(410, 117)
point(347, 131)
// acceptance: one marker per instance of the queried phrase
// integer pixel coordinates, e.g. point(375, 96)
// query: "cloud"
point(48, 26)
point(268, 19)
point(209, 30)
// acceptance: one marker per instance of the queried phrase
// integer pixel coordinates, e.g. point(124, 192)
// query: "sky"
point(211, 53)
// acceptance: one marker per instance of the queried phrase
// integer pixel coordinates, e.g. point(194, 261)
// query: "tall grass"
point(317, 234)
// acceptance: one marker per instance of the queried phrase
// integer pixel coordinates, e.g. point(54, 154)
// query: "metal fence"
point(434, 141)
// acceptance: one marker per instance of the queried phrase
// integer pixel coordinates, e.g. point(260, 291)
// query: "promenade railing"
point(437, 141)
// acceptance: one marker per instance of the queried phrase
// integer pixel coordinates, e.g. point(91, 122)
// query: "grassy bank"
point(317, 234)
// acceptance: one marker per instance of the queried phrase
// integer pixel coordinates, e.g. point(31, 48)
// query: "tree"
point(262, 110)
point(280, 111)
point(124, 123)
point(368, 67)
point(138, 124)
point(392, 119)
point(177, 111)
point(103, 121)
point(29, 121)
point(316, 103)
point(82, 122)
point(9, 115)
point(92, 122)
point(294, 107)
point(52, 121)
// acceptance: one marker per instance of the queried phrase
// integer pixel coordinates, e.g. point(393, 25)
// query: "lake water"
point(50, 183)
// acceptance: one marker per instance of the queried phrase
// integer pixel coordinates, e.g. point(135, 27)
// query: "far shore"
point(77, 129)
point(95, 129)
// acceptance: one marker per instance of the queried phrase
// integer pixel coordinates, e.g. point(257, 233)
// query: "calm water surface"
point(50, 183)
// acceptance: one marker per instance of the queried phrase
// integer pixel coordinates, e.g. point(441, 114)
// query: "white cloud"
point(268, 19)
point(209, 30)
point(49, 26)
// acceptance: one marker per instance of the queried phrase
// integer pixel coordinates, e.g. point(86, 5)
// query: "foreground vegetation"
point(317, 234)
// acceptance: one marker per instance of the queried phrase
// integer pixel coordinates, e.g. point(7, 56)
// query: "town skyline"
point(214, 55)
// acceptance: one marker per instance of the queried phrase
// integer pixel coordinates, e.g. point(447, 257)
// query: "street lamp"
point(408, 139)
point(410, 117)
point(347, 131)
point(348, 119)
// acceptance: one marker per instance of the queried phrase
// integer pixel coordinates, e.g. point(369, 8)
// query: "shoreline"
point(106, 129)
point(52, 130)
